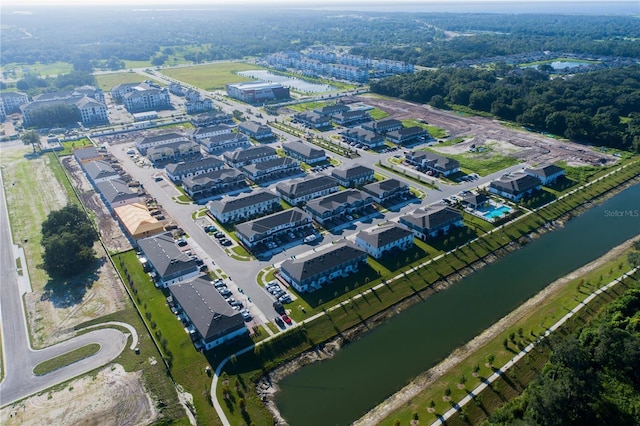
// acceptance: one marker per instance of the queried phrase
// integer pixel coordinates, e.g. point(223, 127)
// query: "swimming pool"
point(496, 212)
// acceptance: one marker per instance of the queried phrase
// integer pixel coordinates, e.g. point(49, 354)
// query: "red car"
point(286, 318)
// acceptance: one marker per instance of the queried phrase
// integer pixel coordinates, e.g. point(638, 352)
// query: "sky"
point(27, 3)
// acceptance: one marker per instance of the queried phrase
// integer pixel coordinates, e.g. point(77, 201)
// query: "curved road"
point(19, 358)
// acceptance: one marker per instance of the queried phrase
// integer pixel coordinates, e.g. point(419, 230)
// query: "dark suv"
point(278, 307)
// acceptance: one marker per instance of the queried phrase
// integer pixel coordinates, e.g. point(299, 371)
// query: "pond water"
point(291, 82)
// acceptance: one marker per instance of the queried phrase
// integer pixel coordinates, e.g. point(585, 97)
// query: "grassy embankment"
point(346, 310)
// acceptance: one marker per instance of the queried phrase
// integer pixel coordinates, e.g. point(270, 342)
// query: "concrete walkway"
point(502, 370)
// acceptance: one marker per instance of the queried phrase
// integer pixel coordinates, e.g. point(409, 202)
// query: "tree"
point(31, 138)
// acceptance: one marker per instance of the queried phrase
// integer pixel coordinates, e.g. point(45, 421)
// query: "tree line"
point(599, 107)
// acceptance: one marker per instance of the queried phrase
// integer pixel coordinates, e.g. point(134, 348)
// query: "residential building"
point(87, 154)
point(275, 225)
point(184, 169)
point(382, 127)
point(194, 106)
point(303, 152)
point(362, 136)
point(438, 164)
point(99, 171)
point(146, 142)
point(338, 205)
point(253, 154)
point(147, 100)
point(256, 130)
point(408, 135)
point(225, 142)
point(119, 91)
point(384, 238)
point(353, 176)
point(214, 183)
point(321, 268)
point(257, 92)
point(173, 151)
point(331, 110)
point(297, 191)
point(212, 118)
point(201, 133)
point(90, 111)
point(265, 171)
point(244, 206)
point(211, 320)
point(164, 260)
point(547, 174)
point(348, 118)
point(515, 186)
point(138, 221)
point(116, 193)
point(11, 101)
point(383, 191)
point(313, 119)
point(475, 201)
point(432, 221)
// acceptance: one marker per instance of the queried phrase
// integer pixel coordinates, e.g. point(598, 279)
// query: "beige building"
point(137, 220)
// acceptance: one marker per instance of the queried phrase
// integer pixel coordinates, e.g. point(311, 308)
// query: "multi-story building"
point(432, 221)
point(348, 118)
point(338, 205)
point(211, 119)
point(408, 135)
point(212, 320)
point(385, 190)
point(164, 260)
point(119, 91)
point(297, 191)
point(353, 176)
point(436, 163)
point(313, 119)
point(547, 174)
point(147, 100)
point(146, 142)
point(10, 103)
point(201, 133)
point(383, 126)
point(515, 186)
point(331, 110)
point(276, 225)
point(385, 238)
point(116, 193)
point(99, 171)
point(321, 268)
point(184, 169)
point(257, 92)
point(256, 130)
point(363, 136)
point(265, 171)
point(90, 110)
point(214, 183)
point(225, 142)
point(254, 154)
point(244, 206)
point(175, 151)
point(303, 152)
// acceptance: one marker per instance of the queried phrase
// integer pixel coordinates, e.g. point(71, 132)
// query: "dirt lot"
point(111, 397)
point(533, 148)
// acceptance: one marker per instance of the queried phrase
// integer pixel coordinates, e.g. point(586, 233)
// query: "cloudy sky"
point(26, 3)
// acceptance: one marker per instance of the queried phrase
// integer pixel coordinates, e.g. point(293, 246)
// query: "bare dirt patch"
point(530, 147)
point(87, 401)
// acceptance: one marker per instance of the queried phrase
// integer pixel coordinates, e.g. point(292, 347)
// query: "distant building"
point(296, 191)
point(331, 110)
point(303, 152)
point(430, 222)
point(87, 154)
point(436, 163)
point(256, 130)
point(211, 119)
point(257, 92)
point(147, 100)
point(382, 127)
point(313, 119)
point(254, 154)
point(338, 205)
point(11, 101)
point(348, 118)
point(275, 225)
point(385, 238)
point(89, 102)
point(363, 136)
point(408, 135)
point(225, 142)
point(353, 176)
point(384, 190)
point(312, 272)
point(166, 262)
point(244, 206)
point(547, 174)
point(515, 186)
point(146, 142)
point(184, 169)
point(201, 133)
point(212, 321)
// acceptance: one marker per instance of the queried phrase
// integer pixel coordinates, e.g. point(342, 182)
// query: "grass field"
point(66, 359)
point(107, 81)
point(15, 70)
point(211, 76)
point(483, 163)
point(435, 131)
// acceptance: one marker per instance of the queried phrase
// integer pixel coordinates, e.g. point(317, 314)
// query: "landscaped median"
point(66, 359)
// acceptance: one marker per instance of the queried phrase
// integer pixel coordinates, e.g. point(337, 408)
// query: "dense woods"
point(592, 377)
point(600, 107)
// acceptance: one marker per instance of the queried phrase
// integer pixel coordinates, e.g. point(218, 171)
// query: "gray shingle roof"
point(432, 217)
point(516, 183)
point(381, 187)
point(544, 171)
point(333, 201)
point(228, 204)
point(198, 164)
point(249, 154)
point(384, 235)
point(99, 170)
point(165, 256)
point(115, 190)
point(295, 188)
point(303, 149)
point(351, 172)
point(267, 223)
point(320, 262)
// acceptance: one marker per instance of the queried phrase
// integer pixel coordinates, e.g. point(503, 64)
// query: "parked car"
point(309, 238)
point(224, 291)
point(218, 235)
point(182, 242)
point(279, 321)
point(246, 315)
point(285, 299)
point(278, 307)
point(225, 242)
point(286, 318)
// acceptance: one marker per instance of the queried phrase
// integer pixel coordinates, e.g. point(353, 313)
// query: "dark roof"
point(165, 256)
point(224, 137)
point(254, 127)
point(332, 201)
point(431, 217)
point(515, 183)
point(351, 172)
point(318, 263)
point(99, 169)
point(215, 128)
point(474, 199)
point(380, 187)
point(441, 161)
point(228, 204)
point(210, 314)
point(384, 235)
point(267, 223)
point(115, 190)
point(304, 149)
point(407, 131)
point(86, 153)
point(162, 137)
point(295, 188)
point(172, 146)
point(544, 171)
point(248, 154)
point(268, 164)
point(199, 164)
point(212, 177)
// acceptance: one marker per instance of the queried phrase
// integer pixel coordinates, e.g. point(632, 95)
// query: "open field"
point(18, 71)
point(533, 148)
point(211, 76)
point(107, 81)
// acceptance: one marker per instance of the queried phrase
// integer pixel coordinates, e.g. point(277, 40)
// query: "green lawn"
point(66, 359)
point(435, 131)
point(483, 163)
point(107, 81)
point(70, 146)
point(378, 114)
point(17, 70)
point(211, 76)
point(307, 106)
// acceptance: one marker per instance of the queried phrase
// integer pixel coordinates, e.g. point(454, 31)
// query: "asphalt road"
point(19, 358)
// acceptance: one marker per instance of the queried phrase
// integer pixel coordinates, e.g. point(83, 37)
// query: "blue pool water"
point(496, 212)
